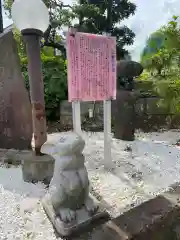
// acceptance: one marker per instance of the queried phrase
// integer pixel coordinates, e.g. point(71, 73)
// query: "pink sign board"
point(91, 67)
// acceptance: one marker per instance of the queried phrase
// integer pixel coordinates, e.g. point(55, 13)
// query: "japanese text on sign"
point(91, 67)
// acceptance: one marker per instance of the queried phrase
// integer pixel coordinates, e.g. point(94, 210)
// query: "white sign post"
point(107, 135)
point(92, 77)
point(107, 131)
point(76, 113)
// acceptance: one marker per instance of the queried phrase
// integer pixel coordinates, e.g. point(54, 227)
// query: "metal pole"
point(109, 16)
point(36, 90)
point(1, 18)
point(80, 16)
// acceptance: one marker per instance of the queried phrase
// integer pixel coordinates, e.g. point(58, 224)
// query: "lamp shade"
point(30, 14)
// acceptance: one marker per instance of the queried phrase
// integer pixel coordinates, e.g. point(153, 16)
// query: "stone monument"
point(15, 107)
point(68, 204)
point(124, 105)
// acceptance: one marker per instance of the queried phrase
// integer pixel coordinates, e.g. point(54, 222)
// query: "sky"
point(149, 16)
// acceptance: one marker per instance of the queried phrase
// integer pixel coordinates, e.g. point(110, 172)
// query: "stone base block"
point(83, 220)
point(38, 168)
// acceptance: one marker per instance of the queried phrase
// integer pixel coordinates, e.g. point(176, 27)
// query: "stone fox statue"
point(69, 188)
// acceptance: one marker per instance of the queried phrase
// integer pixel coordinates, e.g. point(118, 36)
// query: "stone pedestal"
point(68, 203)
point(38, 168)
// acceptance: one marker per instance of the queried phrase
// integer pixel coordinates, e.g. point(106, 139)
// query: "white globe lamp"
point(30, 15)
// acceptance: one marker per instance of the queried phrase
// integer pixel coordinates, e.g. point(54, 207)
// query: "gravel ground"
point(143, 168)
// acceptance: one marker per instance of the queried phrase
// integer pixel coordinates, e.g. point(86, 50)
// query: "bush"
point(55, 83)
point(169, 91)
point(145, 87)
point(144, 76)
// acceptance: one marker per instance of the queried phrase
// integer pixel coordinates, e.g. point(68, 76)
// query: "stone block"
point(15, 106)
point(82, 222)
point(2, 153)
point(12, 157)
point(151, 220)
point(37, 168)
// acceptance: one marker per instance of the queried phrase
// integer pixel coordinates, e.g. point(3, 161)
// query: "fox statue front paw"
point(67, 215)
point(91, 206)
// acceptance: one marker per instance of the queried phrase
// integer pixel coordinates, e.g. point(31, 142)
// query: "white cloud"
point(150, 15)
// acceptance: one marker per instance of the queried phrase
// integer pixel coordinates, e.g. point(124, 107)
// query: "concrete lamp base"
point(38, 168)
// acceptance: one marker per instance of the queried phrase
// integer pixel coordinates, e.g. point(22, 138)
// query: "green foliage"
point(169, 90)
point(88, 18)
point(145, 87)
point(161, 58)
point(55, 83)
point(47, 51)
point(161, 61)
point(54, 76)
point(161, 52)
point(144, 76)
point(94, 20)
point(20, 43)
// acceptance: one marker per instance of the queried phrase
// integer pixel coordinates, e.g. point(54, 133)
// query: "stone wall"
point(13, 156)
point(88, 124)
point(66, 111)
point(143, 106)
point(149, 116)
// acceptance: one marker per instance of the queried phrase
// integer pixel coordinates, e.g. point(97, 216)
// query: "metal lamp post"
point(1, 18)
point(109, 16)
point(32, 19)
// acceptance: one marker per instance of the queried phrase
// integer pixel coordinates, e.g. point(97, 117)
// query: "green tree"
point(55, 83)
point(88, 18)
point(54, 76)
point(162, 49)
point(161, 56)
